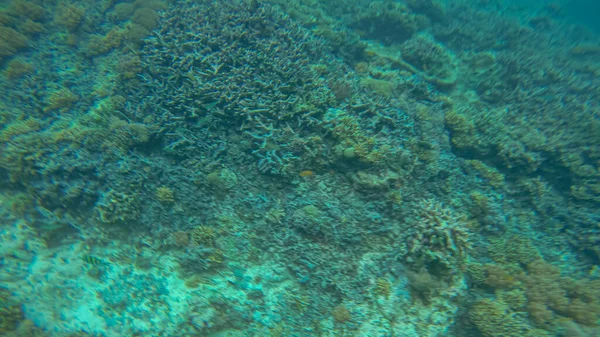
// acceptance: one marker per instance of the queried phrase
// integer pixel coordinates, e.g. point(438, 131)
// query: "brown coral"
point(17, 68)
point(26, 9)
point(60, 99)
point(494, 319)
point(165, 195)
point(341, 314)
point(11, 42)
point(69, 16)
point(145, 17)
point(204, 235)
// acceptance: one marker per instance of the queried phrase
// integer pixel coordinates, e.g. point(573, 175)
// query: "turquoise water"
point(585, 12)
point(198, 168)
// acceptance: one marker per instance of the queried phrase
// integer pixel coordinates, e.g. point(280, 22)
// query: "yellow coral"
point(204, 235)
point(69, 16)
point(494, 319)
point(165, 195)
point(17, 68)
point(341, 314)
point(383, 287)
point(19, 128)
point(60, 99)
point(495, 178)
point(515, 299)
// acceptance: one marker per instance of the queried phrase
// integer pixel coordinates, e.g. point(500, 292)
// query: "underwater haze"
point(303, 168)
point(584, 12)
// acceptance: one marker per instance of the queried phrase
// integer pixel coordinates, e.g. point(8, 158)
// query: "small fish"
point(307, 173)
point(94, 261)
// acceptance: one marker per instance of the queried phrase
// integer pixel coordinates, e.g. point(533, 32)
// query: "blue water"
point(586, 12)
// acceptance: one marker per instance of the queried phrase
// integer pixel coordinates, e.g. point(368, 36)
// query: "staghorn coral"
point(515, 299)
point(501, 277)
point(234, 86)
point(514, 249)
point(19, 127)
point(481, 133)
point(31, 28)
point(539, 288)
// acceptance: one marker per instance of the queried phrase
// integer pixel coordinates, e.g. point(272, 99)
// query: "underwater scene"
point(299, 168)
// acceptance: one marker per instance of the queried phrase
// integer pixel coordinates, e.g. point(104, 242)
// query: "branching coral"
point(118, 208)
point(439, 235)
point(551, 294)
point(260, 80)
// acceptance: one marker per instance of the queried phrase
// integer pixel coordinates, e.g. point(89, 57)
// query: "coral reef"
point(298, 168)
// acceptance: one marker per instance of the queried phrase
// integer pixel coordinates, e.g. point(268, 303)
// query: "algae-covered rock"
point(223, 180)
